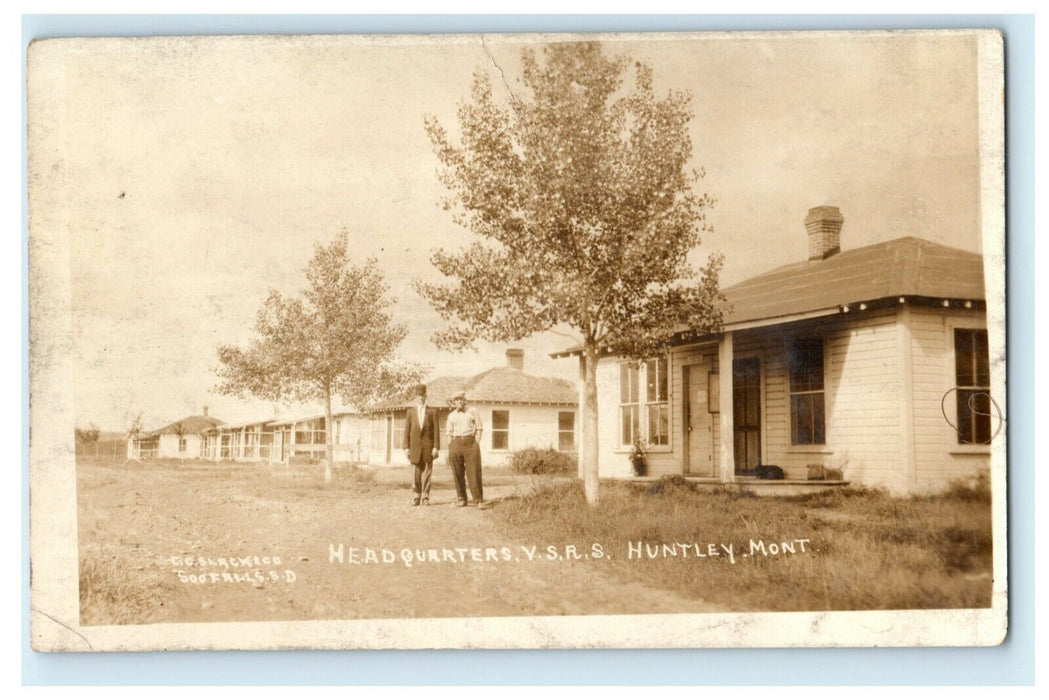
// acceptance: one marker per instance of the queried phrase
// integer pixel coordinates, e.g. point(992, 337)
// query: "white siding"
point(939, 459)
point(352, 438)
point(662, 461)
point(864, 385)
point(866, 401)
point(530, 426)
point(613, 459)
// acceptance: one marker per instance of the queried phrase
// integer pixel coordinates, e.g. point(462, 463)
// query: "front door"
point(699, 438)
point(746, 415)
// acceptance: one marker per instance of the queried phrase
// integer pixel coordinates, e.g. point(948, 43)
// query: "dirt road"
point(201, 543)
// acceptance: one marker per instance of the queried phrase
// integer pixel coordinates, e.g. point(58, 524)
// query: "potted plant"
point(639, 457)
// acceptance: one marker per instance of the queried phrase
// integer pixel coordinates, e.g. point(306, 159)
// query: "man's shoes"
point(460, 504)
point(415, 501)
point(483, 505)
point(425, 502)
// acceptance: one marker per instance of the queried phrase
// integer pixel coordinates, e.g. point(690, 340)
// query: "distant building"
point(870, 365)
point(518, 410)
point(273, 441)
point(182, 439)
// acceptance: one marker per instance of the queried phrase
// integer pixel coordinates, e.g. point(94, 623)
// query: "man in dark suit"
point(422, 440)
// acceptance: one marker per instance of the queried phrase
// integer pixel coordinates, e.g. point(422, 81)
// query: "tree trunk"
point(329, 447)
point(590, 453)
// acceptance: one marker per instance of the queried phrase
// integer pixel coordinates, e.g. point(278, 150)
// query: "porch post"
point(291, 445)
point(726, 451)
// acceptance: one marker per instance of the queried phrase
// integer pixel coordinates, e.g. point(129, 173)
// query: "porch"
point(758, 487)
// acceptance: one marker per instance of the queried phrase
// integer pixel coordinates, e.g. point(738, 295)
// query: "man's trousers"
point(464, 457)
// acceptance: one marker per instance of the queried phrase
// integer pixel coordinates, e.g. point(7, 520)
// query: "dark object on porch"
point(639, 458)
point(816, 472)
point(769, 471)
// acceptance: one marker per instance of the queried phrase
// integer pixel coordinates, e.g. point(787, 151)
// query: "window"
point(647, 420)
point(398, 428)
point(182, 444)
point(656, 402)
point(310, 432)
point(629, 411)
point(806, 392)
point(566, 431)
point(972, 373)
point(500, 430)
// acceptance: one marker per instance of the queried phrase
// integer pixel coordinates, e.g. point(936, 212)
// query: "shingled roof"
point(191, 425)
point(500, 385)
point(904, 267)
point(909, 267)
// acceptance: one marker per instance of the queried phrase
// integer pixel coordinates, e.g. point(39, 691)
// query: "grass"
point(111, 595)
point(866, 551)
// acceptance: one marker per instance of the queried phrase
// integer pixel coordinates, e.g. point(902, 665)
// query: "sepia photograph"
point(517, 341)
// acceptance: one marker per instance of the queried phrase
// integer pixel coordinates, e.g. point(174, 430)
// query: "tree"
point(89, 435)
point(134, 429)
point(336, 340)
point(582, 196)
point(180, 433)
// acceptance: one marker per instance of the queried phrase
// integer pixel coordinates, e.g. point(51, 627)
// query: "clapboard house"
point(868, 365)
point(182, 439)
point(518, 410)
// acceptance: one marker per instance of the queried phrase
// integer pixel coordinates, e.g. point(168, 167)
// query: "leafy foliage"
point(584, 203)
point(582, 195)
point(88, 435)
point(337, 339)
point(134, 428)
point(533, 460)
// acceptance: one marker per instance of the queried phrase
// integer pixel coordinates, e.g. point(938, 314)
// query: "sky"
point(202, 171)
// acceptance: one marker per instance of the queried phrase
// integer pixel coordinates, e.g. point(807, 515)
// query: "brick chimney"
point(824, 227)
point(205, 410)
point(515, 358)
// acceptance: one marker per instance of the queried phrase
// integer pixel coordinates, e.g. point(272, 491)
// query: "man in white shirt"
point(464, 450)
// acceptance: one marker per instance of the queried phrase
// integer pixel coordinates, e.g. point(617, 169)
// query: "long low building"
point(274, 440)
point(518, 410)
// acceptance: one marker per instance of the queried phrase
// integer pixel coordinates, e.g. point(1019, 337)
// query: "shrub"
point(976, 489)
point(533, 460)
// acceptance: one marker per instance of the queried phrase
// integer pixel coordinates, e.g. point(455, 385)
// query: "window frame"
point(662, 405)
point(642, 406)
point(966, 389)
point(500, 431)
point(951, 437)
point(561, 432)
point(821, 392)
